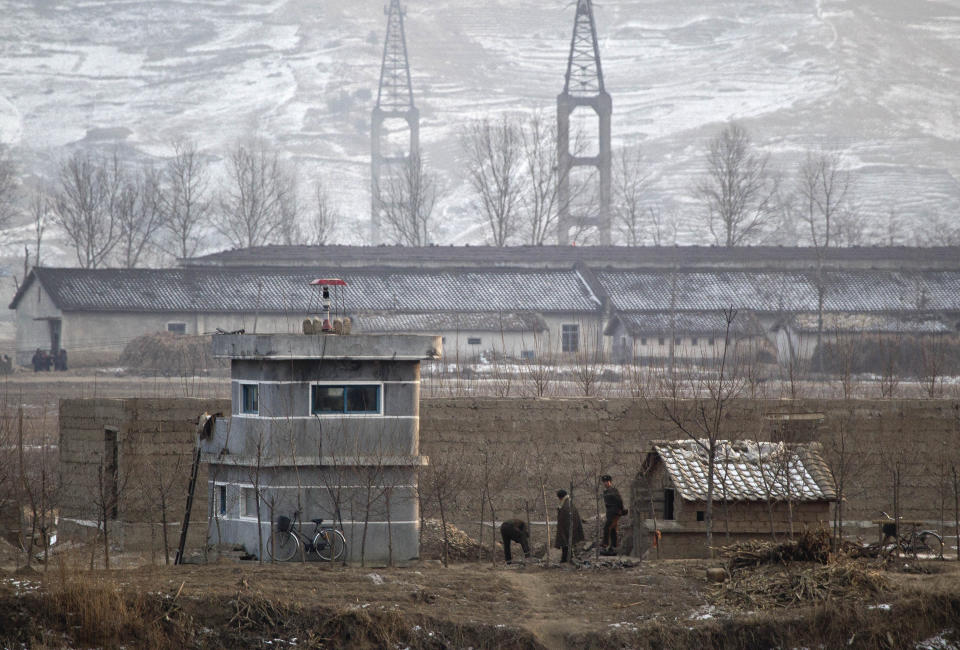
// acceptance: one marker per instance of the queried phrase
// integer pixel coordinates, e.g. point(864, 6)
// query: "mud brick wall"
point(155, 442)
point(574, 439)
point(557, 440)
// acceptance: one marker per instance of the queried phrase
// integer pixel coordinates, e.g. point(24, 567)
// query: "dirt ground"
point(531, 605)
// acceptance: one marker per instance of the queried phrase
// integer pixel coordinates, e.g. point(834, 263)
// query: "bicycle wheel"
point(329, 544)
point(929, 542)
point(282, 545)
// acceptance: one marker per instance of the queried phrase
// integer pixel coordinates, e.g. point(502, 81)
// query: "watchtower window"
point(354, 398)
point(250, 398)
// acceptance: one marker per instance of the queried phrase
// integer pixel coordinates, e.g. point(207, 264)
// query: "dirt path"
point(543, 620)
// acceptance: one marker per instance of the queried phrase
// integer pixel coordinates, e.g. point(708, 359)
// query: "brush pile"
point(810, 546)
point(803, 571)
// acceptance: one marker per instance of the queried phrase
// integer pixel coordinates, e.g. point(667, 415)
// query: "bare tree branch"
point(84, 207)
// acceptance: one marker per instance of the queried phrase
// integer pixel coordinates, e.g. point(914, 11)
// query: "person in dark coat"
point(36, 360)
point(567, 517)
point(62, 358)
point(515, 530)
point(613, 505)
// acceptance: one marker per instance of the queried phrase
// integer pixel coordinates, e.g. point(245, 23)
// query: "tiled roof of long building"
point(786, 291)
point(215, 290)
point(653, 257)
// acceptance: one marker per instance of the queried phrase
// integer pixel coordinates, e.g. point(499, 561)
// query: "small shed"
point(760, 488)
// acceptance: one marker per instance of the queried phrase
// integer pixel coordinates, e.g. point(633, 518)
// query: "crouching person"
point(568, 520)
point(515, 530)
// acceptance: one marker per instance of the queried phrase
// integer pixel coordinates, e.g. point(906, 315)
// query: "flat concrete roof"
point(397, 347)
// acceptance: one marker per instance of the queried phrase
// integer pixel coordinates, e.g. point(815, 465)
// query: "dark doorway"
point(55, 325)
point(668, 504)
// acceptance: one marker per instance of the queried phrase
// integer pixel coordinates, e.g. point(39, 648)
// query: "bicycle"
point(916, 542)
point(327, 543)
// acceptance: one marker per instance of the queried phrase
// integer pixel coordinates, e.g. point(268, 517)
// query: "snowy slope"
point(876, 79)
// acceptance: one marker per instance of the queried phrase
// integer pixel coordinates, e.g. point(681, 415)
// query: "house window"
point(249, 398)
point(661, 341)
point(710, 341)
point(700, 516)
point(569, 338)
point(473, 341)
point(177, 328)
point(668, 504)
point(693, 341)
point(222, 499)
point(527, 355)
point(643, 340)
point(345, 399)
point(677, 341)
point(248, 502)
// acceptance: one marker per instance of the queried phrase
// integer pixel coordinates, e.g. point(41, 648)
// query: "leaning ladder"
point(194, 471)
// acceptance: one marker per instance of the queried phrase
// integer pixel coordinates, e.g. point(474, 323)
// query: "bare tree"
point(541, 198)
point(824, 199)
point(9, 187)
point(39, 209)
point(409, 195)
point(629, 196)
point(494, 153)
point(84, 205)
point(251, 205)
point(186, 199)
point(139, 214)
point(738, 191)
point(323, 218)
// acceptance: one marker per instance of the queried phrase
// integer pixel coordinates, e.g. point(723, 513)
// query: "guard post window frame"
point(247, 388)
point(346, 385)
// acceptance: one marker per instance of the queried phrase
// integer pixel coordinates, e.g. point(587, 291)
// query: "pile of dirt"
point(169, 355)
point(460, 546)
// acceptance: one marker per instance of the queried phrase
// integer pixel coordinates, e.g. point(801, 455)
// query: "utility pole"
point(394, 102)
point(584, 87)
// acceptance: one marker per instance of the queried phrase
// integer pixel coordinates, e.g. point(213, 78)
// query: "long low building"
point(561, 301)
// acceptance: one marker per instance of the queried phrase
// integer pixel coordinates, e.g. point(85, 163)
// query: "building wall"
point(32, 333)
point(155, 440)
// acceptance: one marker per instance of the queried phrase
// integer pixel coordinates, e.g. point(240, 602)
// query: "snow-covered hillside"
point(876, 79)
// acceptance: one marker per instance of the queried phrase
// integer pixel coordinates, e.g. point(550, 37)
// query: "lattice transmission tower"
point(394, 102)
point(584, 88)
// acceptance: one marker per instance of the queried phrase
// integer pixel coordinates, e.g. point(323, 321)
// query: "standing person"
point(63, 358)
point(515, 530)
point(613, 505)
point(567, 518)
point(36, 360)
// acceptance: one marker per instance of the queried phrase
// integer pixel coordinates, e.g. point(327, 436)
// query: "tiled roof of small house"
point(782, 291)
point(448, 322)
point(278, 290)
point(747, 470)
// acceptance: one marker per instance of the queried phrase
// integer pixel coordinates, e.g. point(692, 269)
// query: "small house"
point(761, 489)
